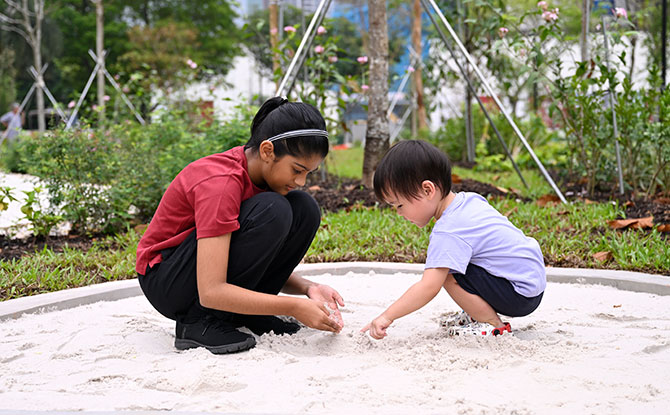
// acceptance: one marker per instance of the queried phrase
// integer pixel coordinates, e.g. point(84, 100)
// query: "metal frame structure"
point(39, 83)
point(99, 63)
point(612, 96)
point(430, 7)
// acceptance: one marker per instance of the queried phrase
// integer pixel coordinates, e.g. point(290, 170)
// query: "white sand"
point(586, 350)
point(13, 222)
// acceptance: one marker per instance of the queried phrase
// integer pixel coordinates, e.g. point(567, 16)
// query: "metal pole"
point(479, 101)
point(612, 102)
point(40, 83)
point(664, 41)
point(83, 95)
point(286, 85)
point(116, 86)
point(408, 111)
point(490, 91)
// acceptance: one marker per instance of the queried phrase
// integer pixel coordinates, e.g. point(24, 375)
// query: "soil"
point(334, 194)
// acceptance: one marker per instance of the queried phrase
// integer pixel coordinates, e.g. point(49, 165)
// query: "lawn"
point(569, 234)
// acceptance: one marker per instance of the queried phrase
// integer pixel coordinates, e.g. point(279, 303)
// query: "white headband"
point(299, 133)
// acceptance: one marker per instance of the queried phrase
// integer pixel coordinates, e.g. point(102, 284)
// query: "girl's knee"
point(268, 210)
point(304, 207)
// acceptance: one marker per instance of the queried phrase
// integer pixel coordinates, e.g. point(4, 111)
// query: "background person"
point(13, 121)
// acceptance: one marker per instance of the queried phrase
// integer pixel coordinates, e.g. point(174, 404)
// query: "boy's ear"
point(266, 150)
point(428, 189)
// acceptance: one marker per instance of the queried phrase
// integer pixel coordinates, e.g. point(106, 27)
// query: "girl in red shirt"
point(229, 231)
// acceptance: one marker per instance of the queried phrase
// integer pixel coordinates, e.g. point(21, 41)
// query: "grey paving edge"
point(116, 290)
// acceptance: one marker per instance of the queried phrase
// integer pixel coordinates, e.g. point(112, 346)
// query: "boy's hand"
point(314, 314)
point(332, 298)
point(378, 327)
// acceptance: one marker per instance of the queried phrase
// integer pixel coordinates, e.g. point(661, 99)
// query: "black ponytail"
point(277, 115)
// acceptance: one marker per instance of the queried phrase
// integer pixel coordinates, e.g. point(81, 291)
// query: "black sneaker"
point(260, 325)
point(217, 336)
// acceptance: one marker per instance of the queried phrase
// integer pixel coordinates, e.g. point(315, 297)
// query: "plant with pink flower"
point(321, 30)
point(106, 98)
point(362, 60)
point(332, 59)
point(542, 5)
point(71, 104)
point(274, 31)
point(319, 49)
point(410, 69)
point(289, 29)
point(502, 32)
point(364, 87)
point(620, 12)
point(550, 16)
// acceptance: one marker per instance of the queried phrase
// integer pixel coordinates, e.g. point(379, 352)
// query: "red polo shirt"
point(206, 195)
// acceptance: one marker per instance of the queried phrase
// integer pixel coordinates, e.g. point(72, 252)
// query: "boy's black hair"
point(277, 115)
point(406, 165)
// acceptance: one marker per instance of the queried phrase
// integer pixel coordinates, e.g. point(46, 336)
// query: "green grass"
point(346, 163)
point(349, 163)
point(568, 234)
point(110, 259)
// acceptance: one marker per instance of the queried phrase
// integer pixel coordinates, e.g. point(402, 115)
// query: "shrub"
point(102, 180)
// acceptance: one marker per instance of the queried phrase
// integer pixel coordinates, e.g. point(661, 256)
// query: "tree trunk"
point(584, 38)
point(37, 57)
point(274, 37)
point(99, 42)
point(377, 134)
point(417, 78)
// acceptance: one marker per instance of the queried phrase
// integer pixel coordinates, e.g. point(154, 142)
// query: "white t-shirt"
point(13, 124)
point(470, 230)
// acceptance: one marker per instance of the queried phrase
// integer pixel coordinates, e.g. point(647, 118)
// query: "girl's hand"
point(314, 314)
point(332, 298)
point(378, 327)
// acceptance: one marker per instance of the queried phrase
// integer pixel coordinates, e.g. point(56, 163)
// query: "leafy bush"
point(102, 180)
point(490, 153)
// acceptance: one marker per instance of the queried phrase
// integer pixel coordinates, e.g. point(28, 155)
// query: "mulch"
point(334, 194)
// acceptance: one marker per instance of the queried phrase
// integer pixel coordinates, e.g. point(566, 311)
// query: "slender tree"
point(99, 47)
point(417, 77)
point(27, 21)
point(377, 134)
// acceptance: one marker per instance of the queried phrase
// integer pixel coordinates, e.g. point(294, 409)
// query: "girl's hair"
point(406, 165)
point(277, 115)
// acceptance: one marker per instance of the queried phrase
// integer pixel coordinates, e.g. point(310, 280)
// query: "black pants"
point(275, 233)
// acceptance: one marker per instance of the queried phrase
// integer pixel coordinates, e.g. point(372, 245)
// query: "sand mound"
point(587, 349)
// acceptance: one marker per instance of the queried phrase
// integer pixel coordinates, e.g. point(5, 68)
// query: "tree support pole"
point(490, 91)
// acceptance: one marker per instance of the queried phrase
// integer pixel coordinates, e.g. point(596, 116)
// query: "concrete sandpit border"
point(117, 290)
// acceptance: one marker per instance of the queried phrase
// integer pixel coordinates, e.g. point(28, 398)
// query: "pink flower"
point(274, 31)
point(620, 12)
point(116, 77)
point(71, 104)
point(542, 5)
point(319, 49)
point(106, 98)
point(125, 89)
point(362, 60)
point(332, 59)
point(95, 107)
point(289, 29)
point(502, 31)
point(410, 69)
point(550, 16)
point(522, 52)
point(365, 87)
point(192, 64)
point(321, 30)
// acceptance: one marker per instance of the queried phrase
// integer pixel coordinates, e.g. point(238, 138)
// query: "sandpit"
point(587, 349)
